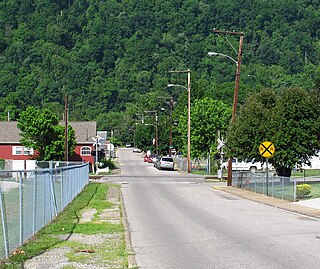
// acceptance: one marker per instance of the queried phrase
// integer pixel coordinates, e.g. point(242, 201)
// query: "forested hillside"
point(113, 56)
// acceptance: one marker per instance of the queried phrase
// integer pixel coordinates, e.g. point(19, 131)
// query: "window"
point(20, 150)
point(85, 151)
point(27, 151)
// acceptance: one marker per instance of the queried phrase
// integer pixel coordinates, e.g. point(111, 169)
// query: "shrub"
point(303, 190)
point(2, 164)
point(107, 163)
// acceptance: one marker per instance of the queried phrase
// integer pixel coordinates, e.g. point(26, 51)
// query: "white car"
point(244, 166)
point(165, 162)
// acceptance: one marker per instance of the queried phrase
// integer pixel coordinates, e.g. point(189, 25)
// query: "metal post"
point(34, 202)
point(157, 135)
point(267, 176)
point(53, 196)
point(4, 223)
point(189, 120)
point(21, 208)
point(189, 111)
point(294, 189)
point(170, 141)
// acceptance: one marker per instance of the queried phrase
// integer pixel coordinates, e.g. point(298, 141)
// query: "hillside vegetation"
point(112, 56)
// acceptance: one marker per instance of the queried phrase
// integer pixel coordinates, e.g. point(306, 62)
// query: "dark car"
point(153, 158)
point(165, 162)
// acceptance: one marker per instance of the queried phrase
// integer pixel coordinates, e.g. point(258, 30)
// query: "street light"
point(189, 111)
point(222, 55)
point(236, 87)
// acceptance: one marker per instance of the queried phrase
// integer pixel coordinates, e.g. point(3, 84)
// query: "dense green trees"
point(208, 118)
point(41, 131)
point(112, 57)
point(290, 120)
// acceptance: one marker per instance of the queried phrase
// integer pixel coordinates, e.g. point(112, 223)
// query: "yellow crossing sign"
point(267, 149)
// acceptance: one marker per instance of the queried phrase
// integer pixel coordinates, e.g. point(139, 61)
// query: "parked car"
point(153, 158)
point(128, 145)
point(251, 166)
point(165, 162)
point(146, 159)
point(136, 150)
point(156, 162)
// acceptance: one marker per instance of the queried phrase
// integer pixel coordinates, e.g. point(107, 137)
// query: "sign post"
point(221, 144)
point(266, 150)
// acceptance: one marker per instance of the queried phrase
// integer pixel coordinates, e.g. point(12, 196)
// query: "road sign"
point(267, 149)
point(221, 143)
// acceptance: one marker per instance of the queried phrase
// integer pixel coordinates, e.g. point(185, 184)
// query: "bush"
point(303, 190)
point(2, 164)
point(107, 163)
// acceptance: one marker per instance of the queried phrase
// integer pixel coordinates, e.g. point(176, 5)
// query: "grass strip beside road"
point(54, 235)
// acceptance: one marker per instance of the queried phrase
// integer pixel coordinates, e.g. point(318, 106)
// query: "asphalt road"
point(179, 221)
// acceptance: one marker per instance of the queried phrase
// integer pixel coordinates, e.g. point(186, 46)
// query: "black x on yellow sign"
point(267, 149)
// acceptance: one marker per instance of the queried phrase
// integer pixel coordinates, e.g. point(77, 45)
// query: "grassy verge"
point(93, 197)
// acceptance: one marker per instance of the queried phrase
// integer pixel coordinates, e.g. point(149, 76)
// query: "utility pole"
point(171, 105)
point(189, 111)
point(236, 88)
point(157, 136)
point(66, 105)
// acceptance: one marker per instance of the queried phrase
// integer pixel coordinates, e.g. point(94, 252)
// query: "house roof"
point(84, 130)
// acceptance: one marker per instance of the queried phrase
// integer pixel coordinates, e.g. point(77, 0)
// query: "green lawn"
point(92, 197)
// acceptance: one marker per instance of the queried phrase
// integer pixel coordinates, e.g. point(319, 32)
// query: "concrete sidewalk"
point(308, 208)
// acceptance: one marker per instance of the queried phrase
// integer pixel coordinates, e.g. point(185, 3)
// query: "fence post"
point(4, 223)
point(282, 181)
point(53, 196)
point(34, 202)
point(294, 189)
point(21, 208)
point(62, 190)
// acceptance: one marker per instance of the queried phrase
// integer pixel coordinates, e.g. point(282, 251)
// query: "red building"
point(11, 148)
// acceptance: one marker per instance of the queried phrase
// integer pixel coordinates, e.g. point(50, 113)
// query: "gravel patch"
point(88, 215)
point(89, 239)
point(87, 251)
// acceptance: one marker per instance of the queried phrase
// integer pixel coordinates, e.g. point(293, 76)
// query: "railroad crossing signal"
point(267, 149)
point(221, 143)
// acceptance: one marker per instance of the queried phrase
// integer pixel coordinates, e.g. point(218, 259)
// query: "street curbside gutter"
point(127, 235)
point(271, 201)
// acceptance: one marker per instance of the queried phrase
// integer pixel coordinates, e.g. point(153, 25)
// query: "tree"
point(42, 132)
point(208, 116)
point(290, 120)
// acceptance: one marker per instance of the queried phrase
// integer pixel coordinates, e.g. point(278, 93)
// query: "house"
point(11, 148)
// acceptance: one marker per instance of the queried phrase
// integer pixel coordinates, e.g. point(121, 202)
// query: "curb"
point(271, 201)
point(127, 235)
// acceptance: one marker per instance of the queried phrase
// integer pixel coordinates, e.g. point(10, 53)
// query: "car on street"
point(165, 162)
point(153, 158)
point(136, 150)
point(146, 159)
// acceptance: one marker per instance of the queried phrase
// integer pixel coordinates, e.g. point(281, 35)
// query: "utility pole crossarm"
point(227, 32)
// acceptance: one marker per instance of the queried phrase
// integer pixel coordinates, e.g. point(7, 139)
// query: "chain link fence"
point(31, 198)
point(271, 185)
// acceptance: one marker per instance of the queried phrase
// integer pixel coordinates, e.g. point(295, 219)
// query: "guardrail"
point(30, 199)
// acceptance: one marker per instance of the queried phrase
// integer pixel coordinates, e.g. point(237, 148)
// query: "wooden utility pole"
point(236, 89)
